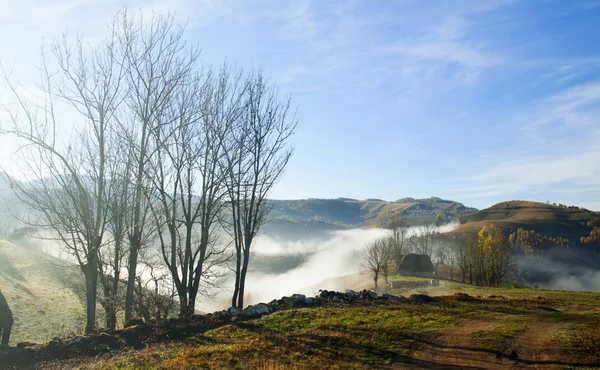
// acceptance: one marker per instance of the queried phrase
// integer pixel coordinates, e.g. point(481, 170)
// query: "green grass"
point(352, 337)
point(583, 339)
point(375, 335)
point(500, 334)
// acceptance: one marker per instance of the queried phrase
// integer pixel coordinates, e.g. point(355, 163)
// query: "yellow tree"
point(498, 254)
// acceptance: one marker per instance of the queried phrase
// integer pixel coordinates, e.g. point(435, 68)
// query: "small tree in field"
point(377, 258)
point(498, 254)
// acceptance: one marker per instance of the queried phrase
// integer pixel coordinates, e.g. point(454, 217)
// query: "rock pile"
point(351, 295)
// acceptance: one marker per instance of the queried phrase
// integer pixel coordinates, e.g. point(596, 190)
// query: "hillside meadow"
point(449, 326)
point(44, 293)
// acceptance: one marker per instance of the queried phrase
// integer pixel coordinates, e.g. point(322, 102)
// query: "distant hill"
point(292, 216)
point(547, 219)
point(42, 292)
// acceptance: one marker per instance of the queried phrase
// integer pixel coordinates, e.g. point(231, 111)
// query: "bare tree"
point(155, 296)
point(387, 256)
point(67, 189)
point(255, 166)
point(6, 226)
point(376, 257)
point(423, 241)
point(189, 180)
point(452, 257)
point(398, 234)
point(112, 260)
point(157, 62)
point(464, 244)
point(441, 250)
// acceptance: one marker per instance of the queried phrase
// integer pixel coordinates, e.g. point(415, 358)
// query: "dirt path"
point(536, 347)
point(454, 348)
point(539, 344)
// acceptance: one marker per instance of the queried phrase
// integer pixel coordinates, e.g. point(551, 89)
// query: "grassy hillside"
point(475, 328)
point(546, 219)
point(42, 292)
point(345, 213)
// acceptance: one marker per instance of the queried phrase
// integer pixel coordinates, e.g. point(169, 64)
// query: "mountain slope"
point(546, 219)
point(345, 212)
point(42, 292)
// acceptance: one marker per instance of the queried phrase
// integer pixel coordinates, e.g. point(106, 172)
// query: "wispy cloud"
point(589, 4)
point(559, 146)
point(446, 52)
point(564, 115)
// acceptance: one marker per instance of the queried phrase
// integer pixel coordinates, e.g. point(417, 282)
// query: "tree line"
point(147, 164)
point(487, 257)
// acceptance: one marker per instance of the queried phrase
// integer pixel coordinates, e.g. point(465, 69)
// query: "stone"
point(338, 299)
point(109, 340)
point(134, 322)
point(323, 294)
point(131, 338)
point(288, 302)
point(299, 297)
point(54, 346)
point(258, 310)
point(81, 343)
point(308, 301)
point(234, 311)
point(352, 294)
point(262, 309)
point(197, 317)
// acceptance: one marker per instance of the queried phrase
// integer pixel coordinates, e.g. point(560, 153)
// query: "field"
point(467, 327)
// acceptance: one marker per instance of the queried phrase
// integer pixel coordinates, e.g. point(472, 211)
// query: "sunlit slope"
point(344, 212)
point(547, 219)
point(488, 329)
point(42, 292)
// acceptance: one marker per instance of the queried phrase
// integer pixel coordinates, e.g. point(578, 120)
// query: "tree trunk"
point(376, 278)
point(246, 255)
point(111, 316)
point(133, 257)
point(182, 305)
point(91, 288)
point(191, 306)
point(238, 272)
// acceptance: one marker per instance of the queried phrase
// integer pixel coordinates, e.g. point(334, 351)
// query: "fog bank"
point(338, 256)
point(563, 270)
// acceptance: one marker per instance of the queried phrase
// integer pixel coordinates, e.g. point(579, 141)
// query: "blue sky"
point(475, 101)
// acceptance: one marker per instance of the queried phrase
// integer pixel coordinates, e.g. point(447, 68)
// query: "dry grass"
point(41, 293)
point(523, 327)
